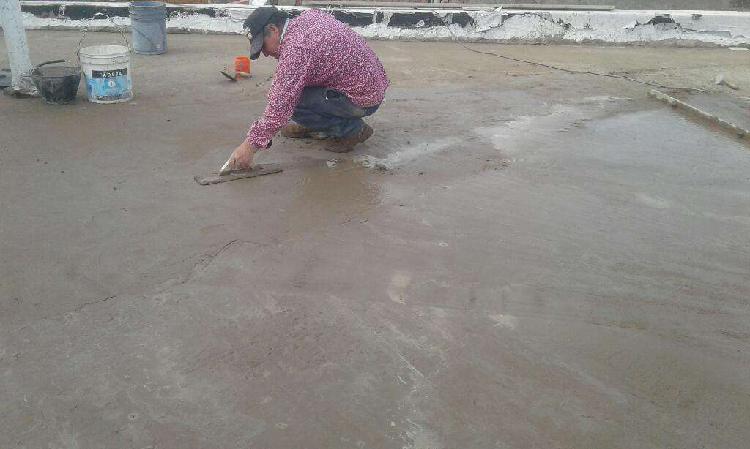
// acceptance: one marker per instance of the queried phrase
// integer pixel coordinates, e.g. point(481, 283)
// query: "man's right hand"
point(241, 159)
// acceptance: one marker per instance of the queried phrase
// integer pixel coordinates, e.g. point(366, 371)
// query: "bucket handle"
point(56, 61)
point(86, 29)
point(36, 67)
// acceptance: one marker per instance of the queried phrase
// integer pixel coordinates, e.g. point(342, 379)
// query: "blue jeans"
point(330, 112)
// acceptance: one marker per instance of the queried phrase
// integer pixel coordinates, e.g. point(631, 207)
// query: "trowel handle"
point(225, 170)
point(56, 61)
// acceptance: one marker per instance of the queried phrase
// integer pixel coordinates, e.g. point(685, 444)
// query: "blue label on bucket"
point(109, 86)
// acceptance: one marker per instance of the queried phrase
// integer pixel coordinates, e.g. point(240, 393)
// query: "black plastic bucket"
point(57, 84)
point(4, 78)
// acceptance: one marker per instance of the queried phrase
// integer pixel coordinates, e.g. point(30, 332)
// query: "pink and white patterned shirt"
point(318, 50)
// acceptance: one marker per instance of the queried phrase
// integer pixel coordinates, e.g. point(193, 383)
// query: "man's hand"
point(241, 159)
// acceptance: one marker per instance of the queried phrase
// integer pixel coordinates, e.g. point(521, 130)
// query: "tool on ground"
point(236, 76)
point(241, 69)
point(231, 78)
point(233, 175)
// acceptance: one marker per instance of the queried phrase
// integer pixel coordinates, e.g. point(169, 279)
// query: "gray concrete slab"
point(732, 108)
point(551, 260)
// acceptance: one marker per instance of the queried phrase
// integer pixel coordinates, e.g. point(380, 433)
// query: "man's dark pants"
point(330, 112)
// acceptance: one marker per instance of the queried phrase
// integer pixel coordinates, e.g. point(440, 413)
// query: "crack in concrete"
point(90, 303)
point(208, 258)
point(77, 309)
point(205, 261)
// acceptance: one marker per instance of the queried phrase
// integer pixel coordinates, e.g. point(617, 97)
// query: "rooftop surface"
point(543, 259)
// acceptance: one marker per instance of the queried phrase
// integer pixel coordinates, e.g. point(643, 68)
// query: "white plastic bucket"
point(107, 72)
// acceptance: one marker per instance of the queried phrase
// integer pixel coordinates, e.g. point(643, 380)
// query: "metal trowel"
point(225, 175)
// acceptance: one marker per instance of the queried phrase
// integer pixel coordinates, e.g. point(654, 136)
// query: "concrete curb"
point(675, 28)
point(675, 103)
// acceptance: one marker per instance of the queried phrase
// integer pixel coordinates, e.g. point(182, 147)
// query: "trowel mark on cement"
point(506, 137)
point(527, 132)
point(507, 321)
point(407, 155)
point(651, 201)
point(503, 137)
point(418, 434)
point(420, 437)
point(397, 287)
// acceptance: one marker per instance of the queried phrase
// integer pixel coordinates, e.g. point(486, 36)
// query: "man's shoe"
point(346, 144)
point(295, 131)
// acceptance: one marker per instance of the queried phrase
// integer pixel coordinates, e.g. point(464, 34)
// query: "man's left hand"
point(241, 158)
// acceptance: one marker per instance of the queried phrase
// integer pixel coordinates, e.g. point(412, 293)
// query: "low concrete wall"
point(714, 5)
point(679, 28)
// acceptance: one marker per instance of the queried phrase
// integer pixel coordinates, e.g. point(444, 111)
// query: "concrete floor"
point(550, 261)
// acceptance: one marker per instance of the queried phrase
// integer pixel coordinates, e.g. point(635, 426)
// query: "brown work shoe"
point(295, 131)
point(346, 144)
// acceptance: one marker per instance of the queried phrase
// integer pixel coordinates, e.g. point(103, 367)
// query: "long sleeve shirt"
point(318, 50)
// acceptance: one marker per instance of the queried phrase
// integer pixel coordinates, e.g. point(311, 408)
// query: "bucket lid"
point(104, 51)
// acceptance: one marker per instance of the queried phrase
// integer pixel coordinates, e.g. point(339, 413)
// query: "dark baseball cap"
point(254, 25)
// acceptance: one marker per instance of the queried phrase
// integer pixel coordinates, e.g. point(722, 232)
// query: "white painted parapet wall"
point(678, 28)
